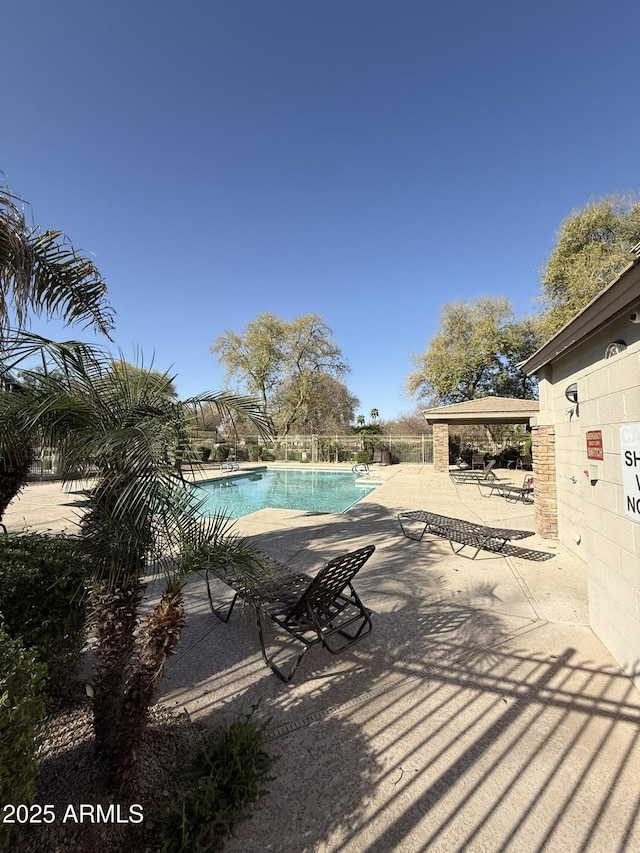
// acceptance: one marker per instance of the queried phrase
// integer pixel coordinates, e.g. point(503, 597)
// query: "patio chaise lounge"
point(311, 610)
point(509, 491)
point(469, 475)
point(463, 533)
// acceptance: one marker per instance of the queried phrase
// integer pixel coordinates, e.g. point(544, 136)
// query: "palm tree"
point(140, 516)
point(375, 414)
point(40, 271)
point(43, 273)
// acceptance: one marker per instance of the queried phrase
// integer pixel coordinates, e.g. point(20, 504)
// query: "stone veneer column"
point(441, 447)
point(543, 448)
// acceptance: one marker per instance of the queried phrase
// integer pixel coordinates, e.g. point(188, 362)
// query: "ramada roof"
point(497, 410)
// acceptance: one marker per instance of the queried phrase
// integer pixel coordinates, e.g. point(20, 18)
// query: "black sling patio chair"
point(311, 610)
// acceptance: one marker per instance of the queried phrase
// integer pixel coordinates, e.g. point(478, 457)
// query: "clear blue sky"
point(364, 160)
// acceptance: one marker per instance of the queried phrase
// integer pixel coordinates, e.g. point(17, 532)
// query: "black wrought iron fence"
point(43, 466)
point(385, 449)
point(318, 449)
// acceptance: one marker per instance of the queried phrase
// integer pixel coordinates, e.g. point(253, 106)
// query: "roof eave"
point(485, 418)
point(506, 410)
point(613, 300)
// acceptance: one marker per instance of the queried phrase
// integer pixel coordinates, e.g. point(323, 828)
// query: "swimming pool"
point(301, 489)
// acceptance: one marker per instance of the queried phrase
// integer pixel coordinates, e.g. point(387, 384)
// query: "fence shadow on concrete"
point(533, 753)
point(439, 731)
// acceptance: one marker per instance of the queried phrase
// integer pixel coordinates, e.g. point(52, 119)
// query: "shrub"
point(21, 709)
point(364, 456)
point(228, 774)
point(221, 452)
point(42, 599)
point(205, 453)
point(260, 453)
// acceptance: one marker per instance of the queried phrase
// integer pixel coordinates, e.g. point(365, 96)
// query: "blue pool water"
point(307, 490)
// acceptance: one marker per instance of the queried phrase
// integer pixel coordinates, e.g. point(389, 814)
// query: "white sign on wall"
point(630, 454)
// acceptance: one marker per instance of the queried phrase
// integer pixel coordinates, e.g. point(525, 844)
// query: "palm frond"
point(228, 404)
point(43, 272)
point(211, 541)
point(122, 426)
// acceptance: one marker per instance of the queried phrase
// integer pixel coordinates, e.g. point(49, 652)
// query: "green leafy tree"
point(368, 429)
point(475, 353)
point(143, 375)
point(280, 362)
point(255, 358)
point(592, 247)
point(311, 352)
point(41, 272)
point(141, 516)
point(327, 406)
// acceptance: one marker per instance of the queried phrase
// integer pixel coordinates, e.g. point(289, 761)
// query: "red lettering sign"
point(594, 445)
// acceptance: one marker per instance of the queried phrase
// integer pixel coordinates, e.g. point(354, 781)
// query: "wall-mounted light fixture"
point(615, 348)
point(571, 392)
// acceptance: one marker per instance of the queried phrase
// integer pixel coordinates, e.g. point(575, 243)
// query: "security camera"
point(634, 317)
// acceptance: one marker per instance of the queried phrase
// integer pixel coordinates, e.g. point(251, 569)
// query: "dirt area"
point(71, 777)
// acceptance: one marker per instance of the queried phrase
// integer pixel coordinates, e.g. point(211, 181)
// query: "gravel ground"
point(71, 776)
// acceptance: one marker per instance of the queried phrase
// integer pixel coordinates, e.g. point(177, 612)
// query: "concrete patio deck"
point(481, 714)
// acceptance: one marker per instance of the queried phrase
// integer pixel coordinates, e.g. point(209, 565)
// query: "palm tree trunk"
point(128, 670)
point(114, 615)
point(157, 639)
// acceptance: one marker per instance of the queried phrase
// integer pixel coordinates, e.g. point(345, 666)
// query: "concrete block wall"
point(591, 511)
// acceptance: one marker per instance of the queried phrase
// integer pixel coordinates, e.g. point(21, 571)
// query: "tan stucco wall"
point(591, 514)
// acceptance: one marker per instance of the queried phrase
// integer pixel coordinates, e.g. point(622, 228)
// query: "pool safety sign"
point(630, 455)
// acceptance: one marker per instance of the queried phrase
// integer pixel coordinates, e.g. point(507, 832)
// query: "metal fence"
point(43, 465)
point(386, 449)
point(325, 448)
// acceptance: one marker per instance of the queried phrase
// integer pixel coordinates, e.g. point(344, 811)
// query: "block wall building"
point(586, 449)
